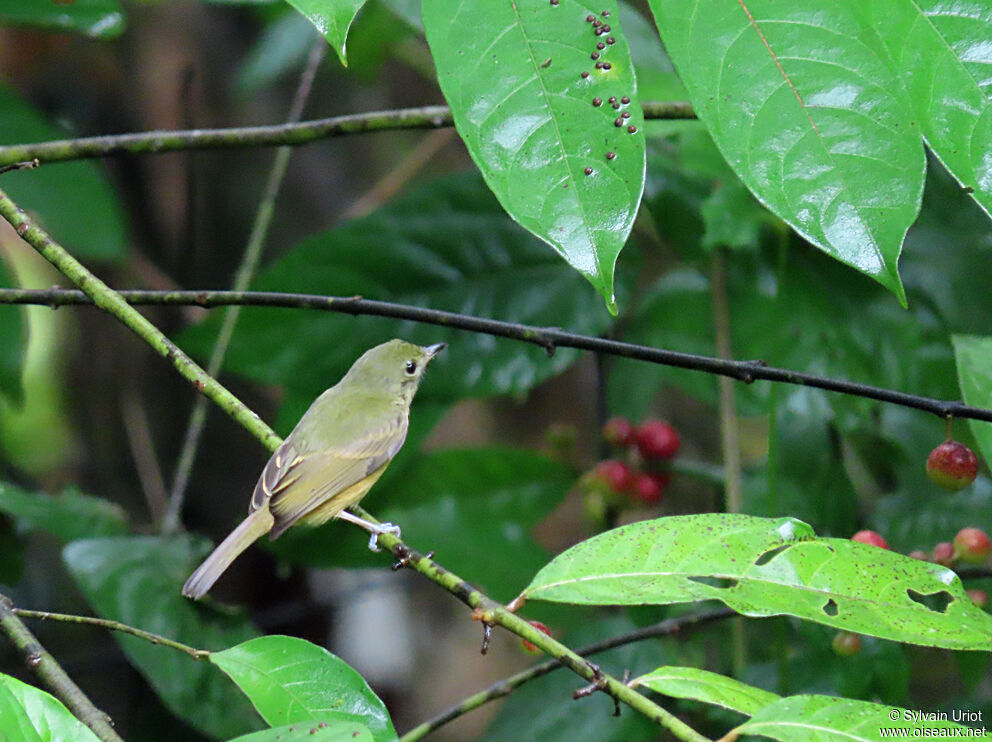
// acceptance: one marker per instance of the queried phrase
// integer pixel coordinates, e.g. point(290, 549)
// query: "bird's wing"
point(294, 483)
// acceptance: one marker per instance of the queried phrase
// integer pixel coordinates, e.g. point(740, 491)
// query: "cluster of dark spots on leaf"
point(769, 555)
point(831, 608)
point(936, 602)
point(597, 101)
point(720, 583)
point(616, 106)
point(607, 66)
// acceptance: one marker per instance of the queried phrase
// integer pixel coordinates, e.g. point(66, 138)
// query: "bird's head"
point(396, 366)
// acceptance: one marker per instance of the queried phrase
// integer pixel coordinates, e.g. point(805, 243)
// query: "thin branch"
point(51, 673)
point(544, 337)
point(139, 439)
point(29, 165)
point(123, 628)
point(506, 686)
point(246, 271)
point(487, 610)
point(291, 135)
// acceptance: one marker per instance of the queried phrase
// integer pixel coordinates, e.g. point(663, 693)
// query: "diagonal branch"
point(292, 135)
point(545, 337)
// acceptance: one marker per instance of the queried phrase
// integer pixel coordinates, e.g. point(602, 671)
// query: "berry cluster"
point(640, 472)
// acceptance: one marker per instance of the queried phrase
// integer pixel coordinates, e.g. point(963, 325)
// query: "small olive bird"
point(336, 452)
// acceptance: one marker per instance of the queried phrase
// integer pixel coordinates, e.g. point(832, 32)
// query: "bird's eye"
point(411, 367)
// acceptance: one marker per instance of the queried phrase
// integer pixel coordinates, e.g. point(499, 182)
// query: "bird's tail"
point(259, 522)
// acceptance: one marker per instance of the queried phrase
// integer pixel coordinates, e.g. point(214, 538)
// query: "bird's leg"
point(376, 529)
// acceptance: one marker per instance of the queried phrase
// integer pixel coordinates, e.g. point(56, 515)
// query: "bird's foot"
point(380, 529)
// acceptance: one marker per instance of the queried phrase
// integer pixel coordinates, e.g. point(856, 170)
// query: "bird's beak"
point(433, 350)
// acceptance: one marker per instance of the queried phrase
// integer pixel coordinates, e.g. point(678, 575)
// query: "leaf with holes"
point(831, 719)
point(942, 54)
point(546, 102)
point(706, 686)
point(803, 105)
point(768, 567)
point(973, 355)
point(291, 680)
point(332, 19)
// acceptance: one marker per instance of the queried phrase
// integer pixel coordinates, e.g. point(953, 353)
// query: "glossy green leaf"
point(136, 580)
point(974, 359)
point(941, 53)
point(708, 687)
point(805, 109)
point(13, 344)
point(72, 200)
point(465, 504)
point(312, 731)
point(332, 18)
point(543, 709)
point(767, 567)
point(831, 719)
point(102, 19)
point(291, 680)
point(446, 246)
point(511, 73)
point(68, 516)
point(28, 714)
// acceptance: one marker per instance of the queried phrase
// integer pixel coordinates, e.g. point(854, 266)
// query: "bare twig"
point(139, 438)
point(29, 165)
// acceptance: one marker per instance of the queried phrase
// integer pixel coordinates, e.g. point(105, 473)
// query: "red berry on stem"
point(979, 597)
point(871, 538)
point(972, 545)
point(531, 647)
point(846, 644)
point(952, 465)
point(650, 487)
point(657, 440)
point(919, 554)
point(614, 473)
point(943, 553)
point(618, 431)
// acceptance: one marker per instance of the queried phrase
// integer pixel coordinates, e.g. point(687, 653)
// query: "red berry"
point(972, 545)
point(657, 440)
point(979, 597)
point(919, 554)
point(650, 487)
point(614, 473)
point(531, 647)
point(943, 553)
point(871, 538)
point(619, 432)
point(846, 644)
point(952, 465)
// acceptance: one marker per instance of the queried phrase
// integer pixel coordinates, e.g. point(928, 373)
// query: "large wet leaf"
point(512, 73)
point(446, 246)
point(72, 200)
point(136, 580)
point(291, 680)
point(706, 686)
point(28, 714)
point(801, 102)
point(767, 567)
point(313, 731)
point(974, 359)
point(830, 719)
point(332, 18)
point(100, 18)
point(941, 53)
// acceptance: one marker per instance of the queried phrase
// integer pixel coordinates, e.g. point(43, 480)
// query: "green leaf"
point(941, 54)
point(332, 18)
point(543, 708)
point(13, 344)
point(830, 719)
point(511, 74)
point(446, 246)
point(803, 106)
point(67, 516)
point(291, 680)
point(466, 504)
point(136, 580)
point(72, 200)
point(708, 687)
point(767, 567)
point(28, 714)
point(974, 359)
point(312, 731)
point(282, 47)
point(102, 19)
